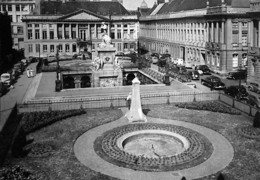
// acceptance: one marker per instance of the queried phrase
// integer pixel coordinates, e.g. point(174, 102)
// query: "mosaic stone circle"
point(198, 151)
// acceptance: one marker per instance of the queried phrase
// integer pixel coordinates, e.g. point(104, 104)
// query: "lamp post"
point(239, 67)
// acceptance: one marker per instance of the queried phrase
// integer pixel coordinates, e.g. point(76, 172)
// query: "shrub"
point(213, 106)
point(256, 122)
point(16, 172)
point(37, 120)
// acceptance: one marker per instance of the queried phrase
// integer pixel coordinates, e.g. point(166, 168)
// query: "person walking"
point(31, 72)
point(129, 99)
point(28, 73)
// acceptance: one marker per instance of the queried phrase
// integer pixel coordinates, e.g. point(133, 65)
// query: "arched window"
point(85, 82)
point(68, 82)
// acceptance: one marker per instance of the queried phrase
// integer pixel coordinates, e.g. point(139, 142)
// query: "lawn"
point(57, 160)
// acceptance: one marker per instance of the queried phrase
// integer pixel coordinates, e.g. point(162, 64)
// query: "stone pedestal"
point(135, 114)
point(109, 75)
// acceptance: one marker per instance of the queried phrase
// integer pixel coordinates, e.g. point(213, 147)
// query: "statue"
point(97, 63)
point(106, 39)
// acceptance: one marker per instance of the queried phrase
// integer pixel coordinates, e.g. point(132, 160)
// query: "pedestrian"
point(28, 73)
point(129, 99)
point(31, 72)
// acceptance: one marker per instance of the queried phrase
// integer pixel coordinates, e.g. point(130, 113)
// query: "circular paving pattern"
point(110, 147)
point(194, 144)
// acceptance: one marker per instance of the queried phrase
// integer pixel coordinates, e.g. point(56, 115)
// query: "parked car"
point(239, 74)
point(254, 87)
point(194, 75)
point(253, 100)
point(6, 79)
point(237, 92)
point(203, 69)
point(154, 59)
point(156, 55)
point(213, 82)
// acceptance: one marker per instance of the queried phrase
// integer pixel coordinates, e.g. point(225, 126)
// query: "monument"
point(106, 71)
point(135, 114)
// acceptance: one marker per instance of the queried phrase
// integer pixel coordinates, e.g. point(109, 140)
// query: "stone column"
point(48, 31)
point(63, 33)
point(55, 31)
point(240, 32)
point(33, 31)
point(40, 31)
point(135, 114)
point(70, 31)
point(223, 32)
point(258, 34)
point(250, 31)
point(217, 33)
point(212, 32)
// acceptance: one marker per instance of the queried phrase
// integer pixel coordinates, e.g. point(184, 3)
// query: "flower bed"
point(213, 106)
point(36, 120)
point(16, 172)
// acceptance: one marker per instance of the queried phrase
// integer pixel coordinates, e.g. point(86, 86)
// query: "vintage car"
point(239, 74)
point(253, 100)
point(194, 75)
point(213, 82)
point(202, 69)
point(6, 79)
point(237, 92)
point(254, 88)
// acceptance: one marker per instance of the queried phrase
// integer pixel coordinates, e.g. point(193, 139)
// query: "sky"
point(134, 4)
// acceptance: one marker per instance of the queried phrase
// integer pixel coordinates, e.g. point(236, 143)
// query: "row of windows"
point(23, 7)
point(51, 48)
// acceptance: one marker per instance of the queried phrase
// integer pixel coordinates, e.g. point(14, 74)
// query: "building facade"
point(76, 26)
point(16, 9)
point(215, 33)
point(254, 46)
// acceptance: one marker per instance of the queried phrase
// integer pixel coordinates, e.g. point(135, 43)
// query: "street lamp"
point(239, 67)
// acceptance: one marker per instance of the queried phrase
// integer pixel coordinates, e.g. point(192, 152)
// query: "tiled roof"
point(103, 8)
point(184, 5)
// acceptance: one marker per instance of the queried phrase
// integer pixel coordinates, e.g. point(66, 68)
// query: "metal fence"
point(114, 101)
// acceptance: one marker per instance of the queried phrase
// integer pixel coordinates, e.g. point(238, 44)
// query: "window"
point(74, 48)
point(119, 36)
point(67, 48)
point(119, 25)
point(112, 34)
point(4, 7)
point(234, 25)
point(19, 30)
point(44, 34)
point(29, 25)
point(59, 32)
point(125, 45)
point(51, 34)
point(52, 48)
point(37, 47)
point(30, 47)
point(244, 59)
point(9, 7)
point(244, 24)
point(119, 47)
point(73, 33)
point(60, 48)
point(36, 25)
point(29, 34)
point(67, 33)
point(131, 33)
point(20, 39)
point(235, 38)
point(44, 48)
point(17, 8)
point(235, 60)
point(37, 34)
point(244, 39)
point(18, 18)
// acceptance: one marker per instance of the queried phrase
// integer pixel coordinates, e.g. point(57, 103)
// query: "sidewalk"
point(15, 95)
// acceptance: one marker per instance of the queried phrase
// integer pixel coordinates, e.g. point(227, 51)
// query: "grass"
point(62, 163)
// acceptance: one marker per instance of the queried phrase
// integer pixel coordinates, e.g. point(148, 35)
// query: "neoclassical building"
point(211, 32)
point(74, 26)
point(254, 46)
point(16, 9)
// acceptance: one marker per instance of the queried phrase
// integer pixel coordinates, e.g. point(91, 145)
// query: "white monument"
point(135, 114)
